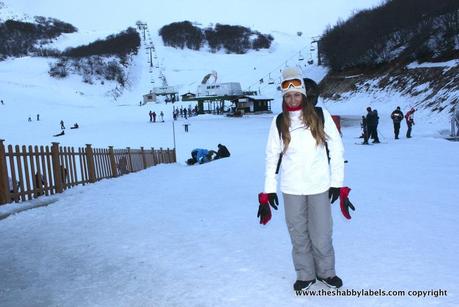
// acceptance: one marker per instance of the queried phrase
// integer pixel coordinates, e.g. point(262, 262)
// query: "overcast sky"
point(311, 16)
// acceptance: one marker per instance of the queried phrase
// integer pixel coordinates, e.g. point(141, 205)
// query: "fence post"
point(91, 166)
point(154, 156)
point(4, 190)
point(112, 161)
point(56, 167)
point(130, 159)
point(174, 156)
point(143, 158)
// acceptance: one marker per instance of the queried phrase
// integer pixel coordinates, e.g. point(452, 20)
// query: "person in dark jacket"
point(397, 117)
point(409, 121)
point(222, 152)
point(372, 124)
point(364, 126)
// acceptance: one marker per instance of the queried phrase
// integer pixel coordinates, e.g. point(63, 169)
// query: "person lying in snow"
point(200, 155)
point(222, 152)
point(59, 134)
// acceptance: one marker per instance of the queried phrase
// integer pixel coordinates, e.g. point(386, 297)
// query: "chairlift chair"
point(300, 57)
point(270, 80)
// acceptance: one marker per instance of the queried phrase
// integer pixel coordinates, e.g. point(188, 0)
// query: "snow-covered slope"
point(175, 235)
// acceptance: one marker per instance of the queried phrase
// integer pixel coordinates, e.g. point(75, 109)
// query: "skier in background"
point(409, 121)
point(372, 124)
point(455, 122)
point(364, 126)
point(397, 117)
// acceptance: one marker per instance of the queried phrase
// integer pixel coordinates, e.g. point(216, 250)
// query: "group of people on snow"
point(182, 112)
point(397, 118)
point(185, 112)
point(61, 123)
point(153, 116)
point(75, 126)
point(369, 124)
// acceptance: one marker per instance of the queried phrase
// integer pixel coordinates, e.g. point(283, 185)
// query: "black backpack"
point(279, 118)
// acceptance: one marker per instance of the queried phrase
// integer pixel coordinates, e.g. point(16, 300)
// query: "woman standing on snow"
point(308, 181)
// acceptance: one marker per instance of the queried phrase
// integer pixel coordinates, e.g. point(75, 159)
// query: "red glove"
point(345, 203)
point(264, 210)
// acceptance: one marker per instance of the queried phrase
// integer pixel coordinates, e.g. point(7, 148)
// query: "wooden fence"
point(28, 172)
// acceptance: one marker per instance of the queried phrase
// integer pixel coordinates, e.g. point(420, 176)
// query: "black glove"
point(264, 211)
point(333, 194)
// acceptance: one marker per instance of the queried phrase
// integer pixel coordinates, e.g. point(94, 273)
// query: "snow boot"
point(303, 284)
point(333, 282)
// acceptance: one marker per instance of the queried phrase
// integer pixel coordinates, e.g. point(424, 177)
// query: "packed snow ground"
point(175, 235)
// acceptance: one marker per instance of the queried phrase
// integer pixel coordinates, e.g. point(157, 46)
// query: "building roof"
point(256, 97)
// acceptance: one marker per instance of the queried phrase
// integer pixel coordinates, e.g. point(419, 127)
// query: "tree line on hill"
point(232, 39)
point(21, 38)
point(102, 59)
point(121, 44)
point(403, 30)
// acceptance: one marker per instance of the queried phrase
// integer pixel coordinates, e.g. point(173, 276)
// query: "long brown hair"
point(310, 119)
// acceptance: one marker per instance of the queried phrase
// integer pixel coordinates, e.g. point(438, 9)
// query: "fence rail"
point(27, 172)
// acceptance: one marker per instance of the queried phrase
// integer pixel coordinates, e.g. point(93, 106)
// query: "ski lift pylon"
point(300, 57)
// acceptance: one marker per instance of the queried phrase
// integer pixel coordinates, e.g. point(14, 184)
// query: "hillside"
point(410, 48)
point(430, 86)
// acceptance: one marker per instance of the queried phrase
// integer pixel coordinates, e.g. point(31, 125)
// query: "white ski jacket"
point(305, 169)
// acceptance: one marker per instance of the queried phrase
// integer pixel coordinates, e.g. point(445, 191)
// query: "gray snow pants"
point(310, 225)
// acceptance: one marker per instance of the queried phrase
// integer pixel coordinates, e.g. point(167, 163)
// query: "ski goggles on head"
point(295, 83)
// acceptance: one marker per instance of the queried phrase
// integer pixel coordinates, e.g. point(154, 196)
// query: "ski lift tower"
point(142, 26)
point(317, 40)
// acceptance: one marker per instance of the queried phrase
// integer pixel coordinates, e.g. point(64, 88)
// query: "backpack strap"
point(279, 119)
point(278, 125)
point(320, 112)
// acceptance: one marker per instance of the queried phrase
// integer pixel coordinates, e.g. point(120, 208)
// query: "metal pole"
point(151, 58)
point(173, 132)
